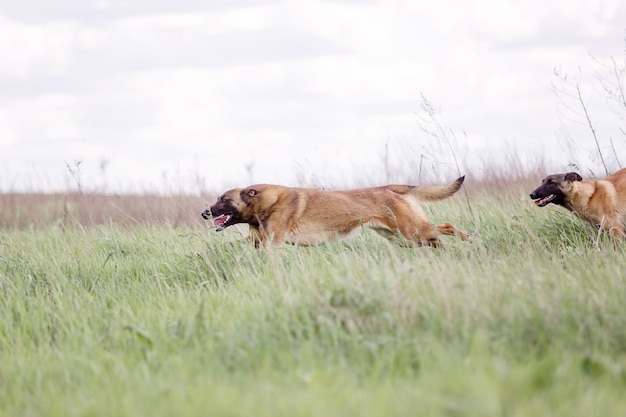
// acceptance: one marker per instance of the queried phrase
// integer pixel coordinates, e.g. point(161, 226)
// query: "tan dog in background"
point(601, 203)
point(309, 216)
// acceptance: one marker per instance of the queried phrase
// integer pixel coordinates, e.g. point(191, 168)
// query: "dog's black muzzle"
point(206, 214)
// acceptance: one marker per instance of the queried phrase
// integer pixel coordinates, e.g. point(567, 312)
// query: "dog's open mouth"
point(543, 201)
point(221, 220)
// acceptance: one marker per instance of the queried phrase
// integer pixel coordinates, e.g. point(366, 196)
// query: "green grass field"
point(529, 319)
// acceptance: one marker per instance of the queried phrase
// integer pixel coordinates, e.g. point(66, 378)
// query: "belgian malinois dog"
point(601, 203)
point(309, 216)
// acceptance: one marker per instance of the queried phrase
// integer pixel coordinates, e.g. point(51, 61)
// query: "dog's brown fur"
point(309, 216)
point(601, 203)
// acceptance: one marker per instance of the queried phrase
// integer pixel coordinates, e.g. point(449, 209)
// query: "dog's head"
point(554, 189)
point(242, 205)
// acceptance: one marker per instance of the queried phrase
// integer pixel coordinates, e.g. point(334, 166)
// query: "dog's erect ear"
point(573, 176)
point(247, 193)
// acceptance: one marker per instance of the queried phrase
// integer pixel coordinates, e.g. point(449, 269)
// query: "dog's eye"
point(252, 193)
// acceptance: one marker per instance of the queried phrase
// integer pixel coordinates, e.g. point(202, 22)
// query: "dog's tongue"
point(221, 220)
point(545, 200)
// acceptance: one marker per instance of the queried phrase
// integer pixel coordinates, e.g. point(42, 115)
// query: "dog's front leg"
point(612, 224)
point(617, 233)
point(255, 235)
point(270, 235)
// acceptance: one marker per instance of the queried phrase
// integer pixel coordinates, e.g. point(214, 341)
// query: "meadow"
point(117, 307)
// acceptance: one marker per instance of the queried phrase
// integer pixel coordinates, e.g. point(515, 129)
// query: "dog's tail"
point(430, 193)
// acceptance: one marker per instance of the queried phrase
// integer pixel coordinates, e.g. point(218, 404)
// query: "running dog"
point(601, 203)
point(309, 216)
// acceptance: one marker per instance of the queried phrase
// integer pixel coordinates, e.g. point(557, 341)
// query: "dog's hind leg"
point(424, 234)
point(409, 237)
point(450, 230)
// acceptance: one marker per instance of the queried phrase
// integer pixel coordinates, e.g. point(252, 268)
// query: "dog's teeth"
point(545, 200)
point(220, 220)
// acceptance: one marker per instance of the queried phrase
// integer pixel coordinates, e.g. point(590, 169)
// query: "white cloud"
point(31, 50)
point(292, 88)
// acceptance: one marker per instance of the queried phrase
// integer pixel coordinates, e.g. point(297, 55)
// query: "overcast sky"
point(152, 94)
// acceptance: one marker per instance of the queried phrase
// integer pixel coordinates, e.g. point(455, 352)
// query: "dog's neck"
point(578, 200)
